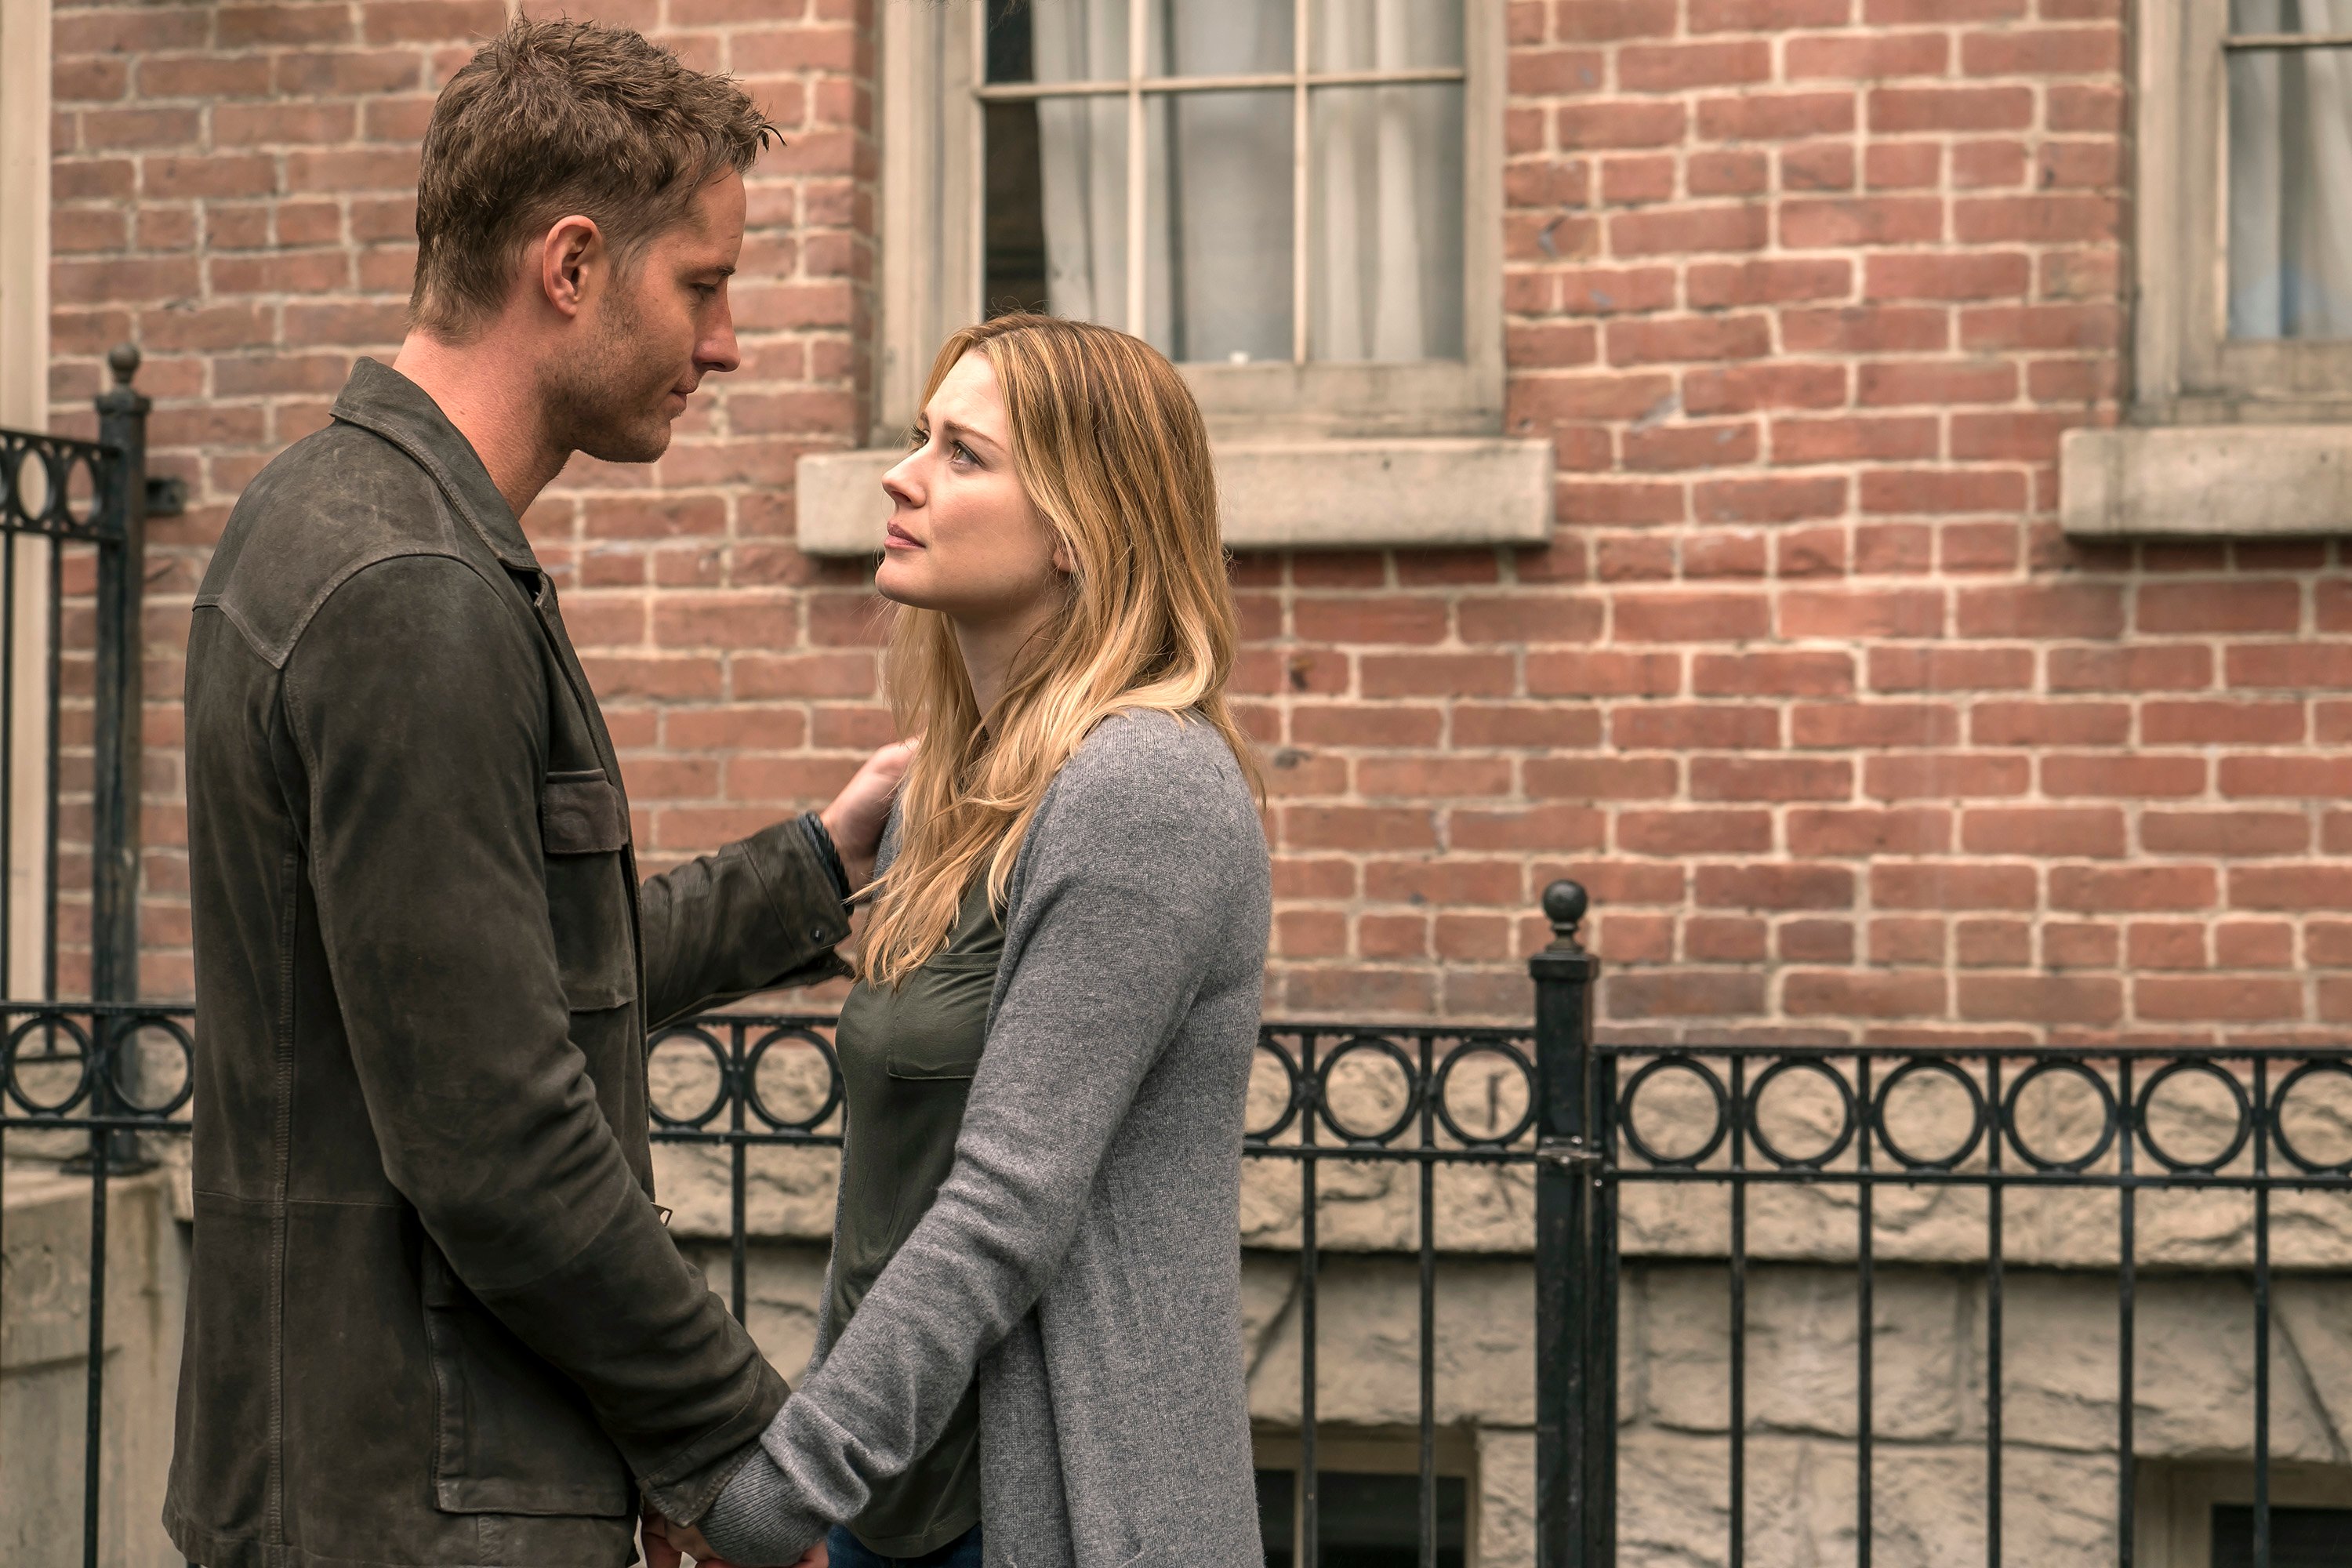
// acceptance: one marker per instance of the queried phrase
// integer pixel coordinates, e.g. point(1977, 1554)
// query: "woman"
point(1057, 1008)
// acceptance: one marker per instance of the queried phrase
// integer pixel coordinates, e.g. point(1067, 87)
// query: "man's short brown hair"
point(553, 118)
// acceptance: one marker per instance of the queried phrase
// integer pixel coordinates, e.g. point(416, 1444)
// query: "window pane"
point(2300, 1537)
point(1386, 178)
point(1218, 272)
point(1386, 35)
point(1220, 37)
point(1069, 40)
point(1011, 53)
point(2291, 176)
point(1079, 174)
point(1366, 1521)
point(1013, 274)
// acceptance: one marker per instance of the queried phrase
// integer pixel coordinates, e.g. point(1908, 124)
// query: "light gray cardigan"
point(1083, 1257)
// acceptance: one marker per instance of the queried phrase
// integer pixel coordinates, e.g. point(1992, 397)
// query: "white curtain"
point(1387, 185)
point(1217, 265)
point(2291, 176)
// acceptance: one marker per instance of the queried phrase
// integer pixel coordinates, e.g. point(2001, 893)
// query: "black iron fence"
point(1585, 1118)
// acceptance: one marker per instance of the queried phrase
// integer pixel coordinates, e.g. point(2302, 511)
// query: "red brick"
point(1855, 221)
point(2041, 998)
point(1853, 440)
point(1525, 724)
point(1867, 994)
point(2232, 607)
point(1903, 165)
point(1718, 940)
point(1684, 994)
point(1869, 832)
point(2149, 667)
point(2042, 830)
point(2236, 998)
point(2175, 722)
point(1867, 329)
point(2230, 834)
point(1973, 276)
point(1868, 56)
point(1774, 887)
point(1365, 724)
point(1950, 668)
point(1771, 778)
point(1689, 617)
point(1603, 778)
point(1951, 886)
point(1773, 674)
point(2040, 219)
point(1775, 117)
point(1551, 72)
point(1593, 125)
point(1604, 674)
point(2133, 889)
point(1666, 728)
point(1741, 389)
point(1679, 67)
point(2043, 52)
point(1988, 164)
point(1728, 174)
point(2041, 723)
point(2107, 776)
point(1678, 231)
point(1819, 166)
point(1693, 831)
point(1898, 109)
point(1677, 446)
point(1874, 724)
point(2297, 666)
point(1595, 21)
point(1552, 828)
point(1815, 941)
point(1769, 500)
point(1717, 285)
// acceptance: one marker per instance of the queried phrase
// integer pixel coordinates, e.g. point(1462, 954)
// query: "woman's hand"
point(858, 814)
point(666, 1542)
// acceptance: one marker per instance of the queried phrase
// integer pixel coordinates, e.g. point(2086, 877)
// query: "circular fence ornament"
point(123, 1039)
point(688, 1034)
point(14, 1059)
point(1939, 1067)
point(1764, 1144)
point(2068, 1067)
point(2241, 1131)
point(1628, 1101)
point(2295, 1156)
point(1385, 1049)
point(757, 1105)
point(1518, 1060)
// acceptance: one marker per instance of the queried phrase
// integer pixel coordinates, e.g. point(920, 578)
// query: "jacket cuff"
point(757, 1521)
point(827, 853)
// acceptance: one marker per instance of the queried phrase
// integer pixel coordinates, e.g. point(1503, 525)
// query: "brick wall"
point(1846, 739)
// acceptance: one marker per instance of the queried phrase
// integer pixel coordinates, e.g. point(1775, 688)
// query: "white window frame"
point(2222, 437)
point(1309, 454)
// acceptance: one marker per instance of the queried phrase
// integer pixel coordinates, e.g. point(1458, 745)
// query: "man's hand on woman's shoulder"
point(858, 814)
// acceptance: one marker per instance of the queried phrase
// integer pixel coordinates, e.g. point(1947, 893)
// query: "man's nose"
point(718, 353)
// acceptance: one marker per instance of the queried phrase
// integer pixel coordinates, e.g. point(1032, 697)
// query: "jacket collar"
point(379, 398)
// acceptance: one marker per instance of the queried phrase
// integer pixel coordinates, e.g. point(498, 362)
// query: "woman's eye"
point(961, 453)
point(916, 437)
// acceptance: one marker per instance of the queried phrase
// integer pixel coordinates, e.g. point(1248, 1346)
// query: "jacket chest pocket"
point(584, 830)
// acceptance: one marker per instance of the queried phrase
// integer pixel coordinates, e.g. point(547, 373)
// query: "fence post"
point(1576, 1297)
point(115, 781)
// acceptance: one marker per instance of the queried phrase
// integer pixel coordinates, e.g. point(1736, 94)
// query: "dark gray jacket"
point(434, 1318)
point(1083, 1258)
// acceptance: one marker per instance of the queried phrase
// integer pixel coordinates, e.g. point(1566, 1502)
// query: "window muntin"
point(1241, 183)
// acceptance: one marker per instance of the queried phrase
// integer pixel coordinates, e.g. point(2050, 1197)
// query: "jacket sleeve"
point(417, 702)
point(762, 912)
point(1125, 897)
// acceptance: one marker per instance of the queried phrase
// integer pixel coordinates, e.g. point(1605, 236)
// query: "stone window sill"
point(1286, 495)
point(2207, 481)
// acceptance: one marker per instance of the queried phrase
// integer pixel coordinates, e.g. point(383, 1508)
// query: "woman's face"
point(963, 538)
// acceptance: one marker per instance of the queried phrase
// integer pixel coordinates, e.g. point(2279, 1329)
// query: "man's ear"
point(571, 248)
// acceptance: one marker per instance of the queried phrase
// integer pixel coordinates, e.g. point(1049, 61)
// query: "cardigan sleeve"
point(1119, 914)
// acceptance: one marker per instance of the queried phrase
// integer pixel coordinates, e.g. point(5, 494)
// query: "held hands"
point(667, 1541)
point(858, 814)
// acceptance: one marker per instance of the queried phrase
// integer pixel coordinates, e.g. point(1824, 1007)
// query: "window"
point(2200, 1515)
point(1297, 202)
point(1368, 1503)
point(2243, 332)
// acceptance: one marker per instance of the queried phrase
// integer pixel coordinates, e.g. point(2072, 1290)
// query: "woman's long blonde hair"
point(1109, 447)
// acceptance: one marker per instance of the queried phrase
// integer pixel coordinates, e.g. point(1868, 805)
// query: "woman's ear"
point(1062, 561)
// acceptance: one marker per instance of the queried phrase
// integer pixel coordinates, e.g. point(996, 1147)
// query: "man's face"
point(644, 340)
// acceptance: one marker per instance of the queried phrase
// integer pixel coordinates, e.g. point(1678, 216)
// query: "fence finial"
point(1564, 903)
point(123, 360)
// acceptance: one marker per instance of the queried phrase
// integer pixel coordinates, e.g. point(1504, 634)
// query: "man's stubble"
point(608, 399)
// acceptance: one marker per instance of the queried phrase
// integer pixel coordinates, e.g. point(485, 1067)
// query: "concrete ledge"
point(1288, 495)
point(2206, 480)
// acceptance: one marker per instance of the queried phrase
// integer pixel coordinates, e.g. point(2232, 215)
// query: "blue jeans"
point(846, 1551)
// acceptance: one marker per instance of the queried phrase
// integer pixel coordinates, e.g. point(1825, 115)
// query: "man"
point(434, 1317)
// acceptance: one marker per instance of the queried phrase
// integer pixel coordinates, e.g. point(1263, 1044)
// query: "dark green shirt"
point(907, 1059)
